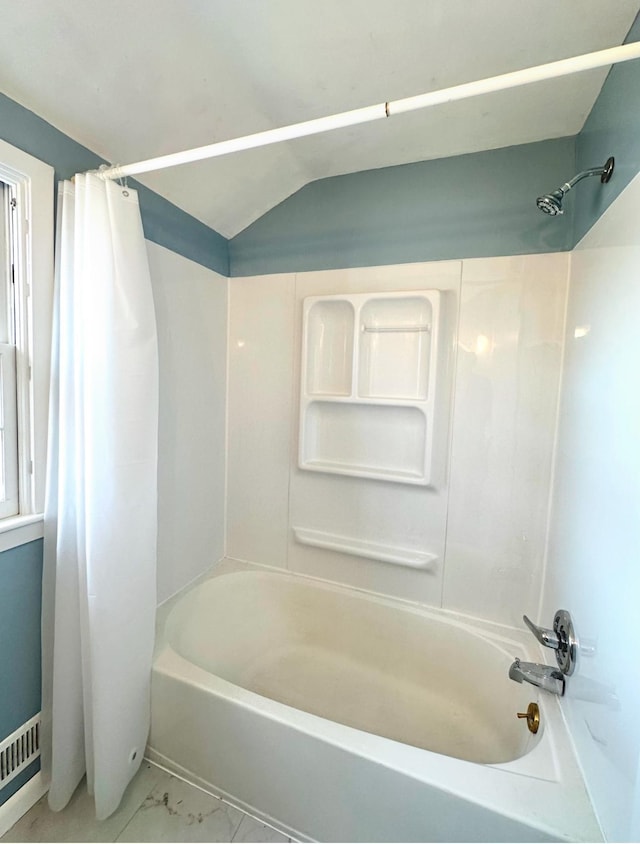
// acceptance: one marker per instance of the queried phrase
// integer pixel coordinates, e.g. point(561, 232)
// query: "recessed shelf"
point(366, 440)
point(368, 385)
point(330, 348)
point(395, 345)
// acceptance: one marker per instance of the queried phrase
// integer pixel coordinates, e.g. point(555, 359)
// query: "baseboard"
point(19, 803)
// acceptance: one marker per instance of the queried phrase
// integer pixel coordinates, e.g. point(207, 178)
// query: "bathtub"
point(336, 715)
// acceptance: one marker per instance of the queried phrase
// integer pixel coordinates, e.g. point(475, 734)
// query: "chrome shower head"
point(551, 203)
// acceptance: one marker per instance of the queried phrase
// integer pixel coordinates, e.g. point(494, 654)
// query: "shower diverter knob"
point(562, 639)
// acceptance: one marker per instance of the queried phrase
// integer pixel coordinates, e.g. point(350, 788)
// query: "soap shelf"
point(407, 557)
point(368, 396)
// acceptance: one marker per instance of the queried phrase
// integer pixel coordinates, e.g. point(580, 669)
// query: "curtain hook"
point(124, 185)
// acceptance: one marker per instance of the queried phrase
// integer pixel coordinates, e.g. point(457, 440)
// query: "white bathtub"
point(341, 716)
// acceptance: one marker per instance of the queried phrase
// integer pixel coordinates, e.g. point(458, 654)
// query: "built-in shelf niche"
point(395, 348)
point(368, 393)
point(330, 348)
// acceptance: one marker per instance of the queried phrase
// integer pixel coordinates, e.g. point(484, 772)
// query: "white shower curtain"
point(100, 512)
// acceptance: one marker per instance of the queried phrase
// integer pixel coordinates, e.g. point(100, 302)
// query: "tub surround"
point(396, 515)
point(594, 531)
point(190, 302)
point(507, 384)
point(501, 336)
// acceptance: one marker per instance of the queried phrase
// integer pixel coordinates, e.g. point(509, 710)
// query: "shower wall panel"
point(472, 541)
point(191, 314)
point(507, 383)
point(594, 547)
point(399, 521)
point(261, 320)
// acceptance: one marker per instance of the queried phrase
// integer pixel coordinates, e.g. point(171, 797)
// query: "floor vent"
point(19, 750)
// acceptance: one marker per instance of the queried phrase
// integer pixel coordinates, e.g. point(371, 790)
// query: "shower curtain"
point(99, 592)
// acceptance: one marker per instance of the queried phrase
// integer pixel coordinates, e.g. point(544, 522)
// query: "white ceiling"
point(132, 79)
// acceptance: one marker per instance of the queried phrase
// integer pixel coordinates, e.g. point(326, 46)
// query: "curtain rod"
point(539, 73)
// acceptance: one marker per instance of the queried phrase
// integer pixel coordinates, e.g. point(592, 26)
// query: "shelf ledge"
point(407, 557)
point(395, 329)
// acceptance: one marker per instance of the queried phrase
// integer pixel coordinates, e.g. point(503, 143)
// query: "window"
point(26, 294)
point(9, 500)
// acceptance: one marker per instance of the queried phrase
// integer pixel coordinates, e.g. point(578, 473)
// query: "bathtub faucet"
point(562, 639)
point(545, 676)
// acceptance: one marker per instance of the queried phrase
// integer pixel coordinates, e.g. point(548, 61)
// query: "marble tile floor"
point(156, 807)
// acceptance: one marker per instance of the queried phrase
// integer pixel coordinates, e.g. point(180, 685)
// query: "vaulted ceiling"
point(132, 79)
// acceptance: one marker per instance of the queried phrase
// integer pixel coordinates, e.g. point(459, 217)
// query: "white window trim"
point(33, 182)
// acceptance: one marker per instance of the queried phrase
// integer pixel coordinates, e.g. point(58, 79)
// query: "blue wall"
point(20, 606)
point(612, 128)
point(163, 222)
point(465, 206)
point(461, 207)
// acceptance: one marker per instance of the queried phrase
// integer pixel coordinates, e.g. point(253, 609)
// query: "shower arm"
point(603, 172)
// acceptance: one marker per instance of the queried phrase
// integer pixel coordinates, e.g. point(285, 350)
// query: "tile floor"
point(155, 807)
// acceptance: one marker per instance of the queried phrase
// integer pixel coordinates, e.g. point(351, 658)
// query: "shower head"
point(551, 203)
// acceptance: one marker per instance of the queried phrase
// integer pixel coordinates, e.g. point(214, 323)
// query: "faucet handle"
point(562, 639)
point(546, 637)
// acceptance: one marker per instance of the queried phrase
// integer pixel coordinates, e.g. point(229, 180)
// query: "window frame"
point(32, 183)
point(9, 481)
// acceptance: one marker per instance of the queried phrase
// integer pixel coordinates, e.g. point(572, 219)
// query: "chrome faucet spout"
point(544, 676)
